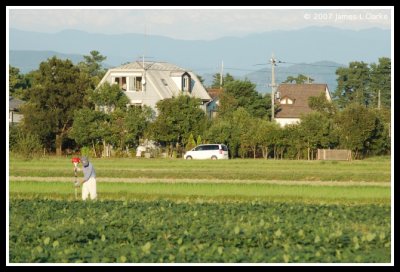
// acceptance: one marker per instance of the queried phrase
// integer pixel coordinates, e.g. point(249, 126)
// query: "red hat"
point(76, 160)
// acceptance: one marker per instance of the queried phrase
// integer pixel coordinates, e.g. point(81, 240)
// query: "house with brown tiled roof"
point(292, 101)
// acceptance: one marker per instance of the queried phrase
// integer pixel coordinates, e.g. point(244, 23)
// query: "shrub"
point(86, 151)
point(190, 143)
point(27, 145)
point(13, 135)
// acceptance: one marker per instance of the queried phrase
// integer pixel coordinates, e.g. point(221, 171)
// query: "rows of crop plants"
point(164, 231)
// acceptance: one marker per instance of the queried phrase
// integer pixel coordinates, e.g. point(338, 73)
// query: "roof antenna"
point(144, 52)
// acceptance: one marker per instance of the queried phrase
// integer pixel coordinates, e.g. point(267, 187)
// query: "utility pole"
point(379, 99)
point(221, 75)
point(273, 86)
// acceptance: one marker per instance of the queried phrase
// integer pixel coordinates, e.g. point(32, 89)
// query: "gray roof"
point(15, 103)
point(160, 66)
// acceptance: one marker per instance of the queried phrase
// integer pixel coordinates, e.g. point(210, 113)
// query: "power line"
point(282, 72)
point(310, 64)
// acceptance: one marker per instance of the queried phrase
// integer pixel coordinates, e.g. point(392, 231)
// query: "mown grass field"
point(376, 169)
point(208, 192)
point(272, 191)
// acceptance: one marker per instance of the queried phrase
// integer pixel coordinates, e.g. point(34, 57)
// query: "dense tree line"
point(364, 84)
point(64, 109)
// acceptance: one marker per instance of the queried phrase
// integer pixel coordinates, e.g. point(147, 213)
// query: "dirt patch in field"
point(164, 180)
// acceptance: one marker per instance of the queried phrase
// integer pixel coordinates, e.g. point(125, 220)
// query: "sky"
point(194, 23)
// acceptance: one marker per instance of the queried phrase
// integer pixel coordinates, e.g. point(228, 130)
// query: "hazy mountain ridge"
point(239, 54)
point(28, 60)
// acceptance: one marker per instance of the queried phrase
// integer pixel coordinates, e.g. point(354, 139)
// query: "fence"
point(334, 154)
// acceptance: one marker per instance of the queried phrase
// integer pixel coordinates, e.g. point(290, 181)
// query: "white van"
point(208, 151)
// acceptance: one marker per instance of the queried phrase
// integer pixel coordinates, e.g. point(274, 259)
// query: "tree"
point(118, 135)
point(380, 83)
point(177, 118)
point(217, 80)
point(249, 138)
point(17, 82)
point(88, 127)
point(240, 93)
point(358, 127)
point(300, 79)
point(281, 141)
point(59, 90)
point(108, 97)
point(93, 62)
point(199, 140)
point(315, 129)
point(296, 142)
point(92, 65)
point(201, 79)
point(380, 143)
point(137, 121)
point(27, 145)
point(190, 143)
point(322, 105)
point(227, 104)
point(353, 85)
point(265, 134)
point(220, 131)
point(227, 130)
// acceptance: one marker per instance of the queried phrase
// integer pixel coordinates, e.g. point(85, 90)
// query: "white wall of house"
point(327, 94)
point(178, 82)
point(15, 117)
point(145, 97)
point(286, 121)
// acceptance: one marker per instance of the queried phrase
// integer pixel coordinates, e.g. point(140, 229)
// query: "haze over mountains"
point(324, 47)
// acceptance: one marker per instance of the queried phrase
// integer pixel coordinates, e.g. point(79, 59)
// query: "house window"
point(185, 84)
point(106, 109)
point(286, 100)
point(135, 84)
point(139, 105)
point(186, 80)
point(121, 81)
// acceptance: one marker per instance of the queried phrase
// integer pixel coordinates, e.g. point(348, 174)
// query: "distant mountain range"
point(28, 60)
point(320, 72)
point(333, 46)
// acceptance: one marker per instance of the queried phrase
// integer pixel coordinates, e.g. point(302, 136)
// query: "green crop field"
point(165, 231)
point(261, 211)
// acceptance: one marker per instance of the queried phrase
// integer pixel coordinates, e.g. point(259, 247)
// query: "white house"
point(146, 83)
point(14, 110)
point(293, 101)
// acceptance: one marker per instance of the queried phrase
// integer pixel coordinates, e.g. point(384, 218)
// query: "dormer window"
point(286, 100)
point(186, 83)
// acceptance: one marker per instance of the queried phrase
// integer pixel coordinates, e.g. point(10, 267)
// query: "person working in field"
point(89, 179)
